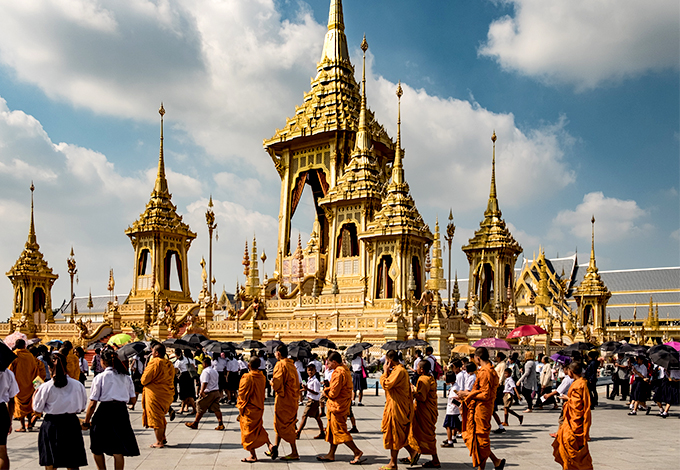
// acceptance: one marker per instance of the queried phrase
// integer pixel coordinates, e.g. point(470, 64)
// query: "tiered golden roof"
point(592, 284)
point(398, 214)
point(492, 233)
point(436, 281)
point(31, 262)
point(160, 213)
point(333, 103)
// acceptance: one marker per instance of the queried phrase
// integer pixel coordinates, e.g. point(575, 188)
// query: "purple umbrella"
point(560, 358)
point(492, 343)
point(673, 344)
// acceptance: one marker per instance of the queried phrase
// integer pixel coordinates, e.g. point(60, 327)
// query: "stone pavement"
point(618, 442)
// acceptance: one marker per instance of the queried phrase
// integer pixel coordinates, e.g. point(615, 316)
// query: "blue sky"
point(583, 96)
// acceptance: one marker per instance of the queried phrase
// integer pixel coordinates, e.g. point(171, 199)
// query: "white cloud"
point(586, 43)
point(615, 219)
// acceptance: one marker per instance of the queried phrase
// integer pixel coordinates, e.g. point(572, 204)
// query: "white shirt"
point(299, 366)
point(564, 386)
point(181, 364)
point(641, 368)
point(470, 381)
point(432, 362)
point(452, 408)
point(509, 386)
point(263, 363)
point(327, 374)
point(210, 377)
point(83, 365)
point(112, 386)
point(232, 365)
point(459, 384)
point(48, 399)
point(313, 384)
point(317, 364)
point(416, 362)
point(8, 386)
point(357, 362)
point(219, 364)
point(674, 374)
point(242, 364)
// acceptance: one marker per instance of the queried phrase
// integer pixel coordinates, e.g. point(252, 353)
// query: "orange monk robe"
point(250, 406)
point(570, 447)
point(286, 385)
point(423, 427)
point(337, 406)
point(477, 412)
point(398, 412)
point(159, 390)
point(25, 368)
point(73, 365)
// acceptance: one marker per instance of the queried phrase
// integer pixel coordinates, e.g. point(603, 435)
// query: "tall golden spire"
point(161, 186)
point(363, 142)
point(32, 240)
point(591, 266)
point(492, 206)
point(398, 168)
point(335, 43)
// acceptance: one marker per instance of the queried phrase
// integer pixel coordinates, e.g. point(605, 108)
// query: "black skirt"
point(359, 381)
point(5, 423)
point(111, 432)
point(640, 390)
point(187, 386)
point(60, 442)
point(668, 392)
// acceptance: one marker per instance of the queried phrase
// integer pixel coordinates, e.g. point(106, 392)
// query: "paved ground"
point(618, 442)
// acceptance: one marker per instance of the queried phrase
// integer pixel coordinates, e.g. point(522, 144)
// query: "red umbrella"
point(526, 330)
point(492, 343)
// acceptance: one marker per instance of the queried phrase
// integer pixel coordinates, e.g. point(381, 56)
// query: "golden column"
point(72, 271)
point(210, 221)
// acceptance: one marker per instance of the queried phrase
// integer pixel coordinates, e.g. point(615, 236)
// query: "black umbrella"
point(324, 343)
point(56, 343)
point(580, 346)
point(206, 342)
point(665, 359)
point(392, 345)
point(610, 345)
point(131, 349)
point(219, 347)
point(299, 352)
point(6, 356)
point(625, 348)
point(357, 348)
point(272, 344)
point(661, 347)
point(194, 338)
point(301, 344)
point(250, 344)
point(95, 345)
point(416, 343)
point(175, 343)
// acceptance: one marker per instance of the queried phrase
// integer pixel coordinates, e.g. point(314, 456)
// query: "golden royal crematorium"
point(372, 269)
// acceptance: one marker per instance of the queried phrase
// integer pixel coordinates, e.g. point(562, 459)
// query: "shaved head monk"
point(477, 411)
point(398, 413)
point(570, 447)
point(286, 385)
point(339, 399)
point(159, 389)
point(250, 406)
point(72, 362)
point(422, 438)
point(25, 368)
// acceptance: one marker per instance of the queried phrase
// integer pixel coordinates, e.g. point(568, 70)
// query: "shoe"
point(623, 399)
point(499, 431)
point(220, 427)
point(321, 435)
point(354, 403)
point(632, 413)
point(649, 409)
point(191, 425)
point(360, 404)
point(501, 466)
point(521, 420)
point(172, 414)
point(447, 444)
point(664, 415)
point(354, 430)
point(506, 424)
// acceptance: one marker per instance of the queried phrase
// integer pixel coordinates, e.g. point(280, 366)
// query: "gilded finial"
point(492, 207)
point(592, 267)
point(210, 203)
point(364, 44)
point(31, 230)
point(363, 142)
point(493, 136)
point(400, 92)
point(72, 254)
point(161, 110)
point(397, 168)
point(161, 186)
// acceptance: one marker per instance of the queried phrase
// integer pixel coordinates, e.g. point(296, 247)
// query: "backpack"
point(438, 371)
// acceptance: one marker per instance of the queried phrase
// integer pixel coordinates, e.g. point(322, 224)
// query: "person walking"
point(187, 388)
point(639, 393)
point(477, 411)
point(528, 380)
point(159, 388)
point(545, 384)
point(286, 385)
point(82, 362)
point(60, 442)
point(570, 447)
point(25, 368)
point(313, 388)
point(209, 395)
point(250, 405)
point(591, 376)
point(339, 398)
point(621, 378)
point(422, 436)
point(509, 393)
point(110, 429)
point(398, 412)
point(97, 367)
point(8, 390)
point(359, 378)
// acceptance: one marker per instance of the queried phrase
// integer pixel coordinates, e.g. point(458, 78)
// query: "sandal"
point(221, 428)
point(20, 430)
point(414, 459)
point(289, 458)
point(429, 464)
point(385, 467)
point(324, 459)
point(358, 461)
point(247, 460)
point(273, 454)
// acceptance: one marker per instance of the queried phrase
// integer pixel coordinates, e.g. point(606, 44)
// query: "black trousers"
point(620, 386)
point(592, 388)
point(544, 391)
point(526, 393)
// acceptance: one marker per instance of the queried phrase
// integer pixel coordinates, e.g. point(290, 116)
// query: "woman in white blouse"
point(8, 389)
point(110, 431)
point(60, 399)
point(187, 387)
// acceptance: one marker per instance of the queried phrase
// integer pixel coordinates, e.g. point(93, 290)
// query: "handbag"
point(192, 372)
point(363, 369)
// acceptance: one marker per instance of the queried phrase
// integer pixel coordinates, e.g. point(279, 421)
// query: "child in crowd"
point(470, 376)
point(313, 388)
point(452, 421)
point(509, 394)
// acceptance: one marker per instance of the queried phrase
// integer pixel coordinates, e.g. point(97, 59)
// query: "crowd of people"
point(49, 385)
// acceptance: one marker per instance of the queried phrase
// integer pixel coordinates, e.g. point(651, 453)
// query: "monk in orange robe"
point(422, 438)
point(25, 368)
point(72, 361)
point(398, 412)
point(339, 399)
point(477, 411)
point(250, 406)
point(159, 390)
point(286, 385)
point(570, 447)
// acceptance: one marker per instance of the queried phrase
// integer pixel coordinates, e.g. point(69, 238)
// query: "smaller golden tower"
point(32, 280)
